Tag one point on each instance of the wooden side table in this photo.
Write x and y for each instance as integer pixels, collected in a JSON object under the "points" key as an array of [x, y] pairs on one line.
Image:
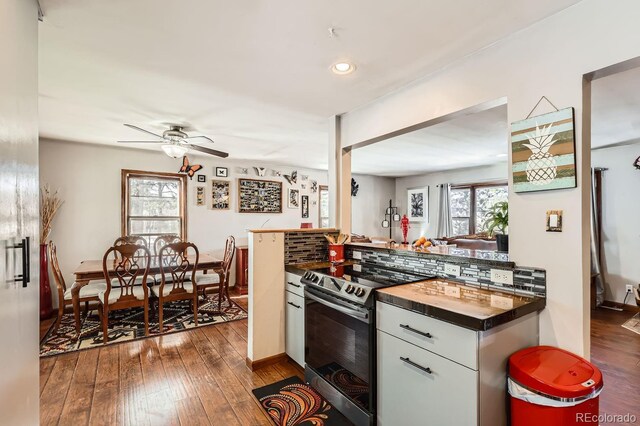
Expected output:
{"points": [[242, 271]]}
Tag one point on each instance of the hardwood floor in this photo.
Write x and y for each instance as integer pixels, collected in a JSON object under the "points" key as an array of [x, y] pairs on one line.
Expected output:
{"points": [[616, 351], [196, 377]]}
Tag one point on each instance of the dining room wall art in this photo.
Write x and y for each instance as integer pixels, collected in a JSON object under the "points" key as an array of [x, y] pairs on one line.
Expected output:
{"points": [[314, 186], [220, 194], [636, 163], [293, 198], [292, 178], [543, 152], [202, 178], [418, 204], [222, 172], [200, 195], [259, 196], [188, 168], [354, 187], [305, 206]]}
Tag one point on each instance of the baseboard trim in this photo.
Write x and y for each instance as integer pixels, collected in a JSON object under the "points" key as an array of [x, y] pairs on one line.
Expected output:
{"points": [[270, 360], [624, 307]]}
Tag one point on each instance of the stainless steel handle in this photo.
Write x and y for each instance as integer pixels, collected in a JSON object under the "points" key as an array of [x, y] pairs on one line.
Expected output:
{"points": [[340, 308], [25, 277], [294, 305], [416, 365], [422, 333], [294, 284]]}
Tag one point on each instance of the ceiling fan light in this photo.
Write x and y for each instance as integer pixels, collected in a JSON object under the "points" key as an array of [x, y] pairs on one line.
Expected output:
{"points": [[174, 150]]}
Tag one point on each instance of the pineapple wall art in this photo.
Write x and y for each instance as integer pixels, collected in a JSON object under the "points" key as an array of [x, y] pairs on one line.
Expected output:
{"points": [[543, 152]]}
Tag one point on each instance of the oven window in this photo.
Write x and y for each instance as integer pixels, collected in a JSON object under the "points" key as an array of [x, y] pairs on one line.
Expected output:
{"points": [[338, 348]]}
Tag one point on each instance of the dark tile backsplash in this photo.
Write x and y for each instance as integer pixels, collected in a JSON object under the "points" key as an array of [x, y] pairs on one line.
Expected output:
{"points": [[303, 247], [526, 281]]}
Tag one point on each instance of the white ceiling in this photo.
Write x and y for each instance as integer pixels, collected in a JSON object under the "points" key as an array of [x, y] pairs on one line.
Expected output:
{"points": [[615, 109], [472, 140], [254, 75]]}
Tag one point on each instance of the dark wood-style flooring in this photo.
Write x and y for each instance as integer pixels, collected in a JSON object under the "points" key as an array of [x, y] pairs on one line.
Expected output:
{"points": [[196, 377], [616, 351]]}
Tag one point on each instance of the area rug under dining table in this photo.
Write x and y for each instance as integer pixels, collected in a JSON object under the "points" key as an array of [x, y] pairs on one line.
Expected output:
{"points": [[128, 324]]}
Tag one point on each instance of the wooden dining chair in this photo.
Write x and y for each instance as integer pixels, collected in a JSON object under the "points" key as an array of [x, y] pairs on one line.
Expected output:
{"points": [[162, 241], [220, 277], [132, 239], [131, 265], [177, 275], [88, 293]]}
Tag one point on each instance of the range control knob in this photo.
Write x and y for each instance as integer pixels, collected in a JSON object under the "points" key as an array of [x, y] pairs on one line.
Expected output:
{"points": [[350, 289], [360, 292]]}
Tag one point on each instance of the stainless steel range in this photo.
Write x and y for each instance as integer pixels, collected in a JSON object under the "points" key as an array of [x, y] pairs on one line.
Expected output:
{"points": [[340, 334]]}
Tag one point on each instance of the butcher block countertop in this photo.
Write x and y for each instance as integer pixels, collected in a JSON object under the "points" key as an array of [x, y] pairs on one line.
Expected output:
{"points": [[466, 306]]}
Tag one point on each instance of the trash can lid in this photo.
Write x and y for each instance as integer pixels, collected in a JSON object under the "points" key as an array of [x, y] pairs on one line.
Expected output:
{"points": [[554, 371]]}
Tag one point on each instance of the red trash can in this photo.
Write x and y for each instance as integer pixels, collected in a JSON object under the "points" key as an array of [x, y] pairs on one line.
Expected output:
{"points": [[550, 386]]}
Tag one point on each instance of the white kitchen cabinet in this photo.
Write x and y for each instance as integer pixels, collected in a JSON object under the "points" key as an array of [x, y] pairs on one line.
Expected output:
{"points": [[294, 327], [444, 395], [438, 373], [292, 283]]}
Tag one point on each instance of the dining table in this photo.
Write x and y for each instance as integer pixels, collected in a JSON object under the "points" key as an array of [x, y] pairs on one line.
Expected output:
{"points": [[89, 270]]}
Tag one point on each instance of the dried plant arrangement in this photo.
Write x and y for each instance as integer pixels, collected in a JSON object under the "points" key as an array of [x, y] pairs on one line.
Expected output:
{"points": [[50, 202]]}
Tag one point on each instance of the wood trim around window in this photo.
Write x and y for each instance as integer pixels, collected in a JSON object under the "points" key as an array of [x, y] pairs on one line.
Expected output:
{"points": [[472, 198], [124, 201], [320, 189]]}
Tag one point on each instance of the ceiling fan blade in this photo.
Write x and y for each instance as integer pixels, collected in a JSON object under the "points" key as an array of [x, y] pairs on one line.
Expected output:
{"points": [[141, 141], [142, 130], [201, 136], [209, 151]]}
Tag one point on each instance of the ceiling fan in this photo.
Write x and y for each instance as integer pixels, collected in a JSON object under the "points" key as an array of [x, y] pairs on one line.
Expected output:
{"points": [[176, 143]]}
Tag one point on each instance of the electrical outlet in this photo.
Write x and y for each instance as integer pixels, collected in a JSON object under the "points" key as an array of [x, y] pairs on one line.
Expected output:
{"points": [[452, 291], [629, 288], [450, 269], [502, 276], [357, 255]]}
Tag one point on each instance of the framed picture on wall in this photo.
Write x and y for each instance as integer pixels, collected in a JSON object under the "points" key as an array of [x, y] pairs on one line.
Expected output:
{"points": [[293, 198], [418, 204], [305, 206], [222, 172], [220, 194], [259, 196]]}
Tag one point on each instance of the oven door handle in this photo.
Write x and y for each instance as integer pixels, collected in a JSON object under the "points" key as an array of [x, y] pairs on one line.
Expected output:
{"points": [[340, 308]]}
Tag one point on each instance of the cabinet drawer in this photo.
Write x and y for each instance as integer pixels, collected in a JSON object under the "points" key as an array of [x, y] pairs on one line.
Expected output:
{"points": [[292, 284], [445, 395], [294, 327], [456, 343]]}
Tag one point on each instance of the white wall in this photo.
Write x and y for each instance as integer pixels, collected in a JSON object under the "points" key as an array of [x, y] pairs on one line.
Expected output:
{"points": [[459, 176], [620, 224], [88, 177], [548, 58], [368, 207]]}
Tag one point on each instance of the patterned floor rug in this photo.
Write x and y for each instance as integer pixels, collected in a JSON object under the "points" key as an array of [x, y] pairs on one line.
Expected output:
{"points": [[633, 324], [291, 402], [128, 324]]}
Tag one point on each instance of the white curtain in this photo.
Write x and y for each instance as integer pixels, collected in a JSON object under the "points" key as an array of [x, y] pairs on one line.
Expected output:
{"points": [[444, 228]]}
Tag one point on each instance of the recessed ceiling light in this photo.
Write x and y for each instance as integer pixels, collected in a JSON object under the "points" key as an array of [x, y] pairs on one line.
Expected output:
{"points": [[343, 68]]}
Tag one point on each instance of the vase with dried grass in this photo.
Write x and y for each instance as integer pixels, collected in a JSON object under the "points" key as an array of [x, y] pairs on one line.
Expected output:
{"points": [[50, 203]]}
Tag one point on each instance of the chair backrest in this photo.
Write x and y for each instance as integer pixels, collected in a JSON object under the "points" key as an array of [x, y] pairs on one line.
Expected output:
{"points": [[162, 241], [130, 239], [57, 274], [175, 264], [131, 262], [229, 252]]}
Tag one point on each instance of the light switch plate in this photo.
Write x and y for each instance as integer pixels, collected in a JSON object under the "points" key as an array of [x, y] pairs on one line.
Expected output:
{"points": [[502, 276], [554, 221], [357, 255], [450, 269]]}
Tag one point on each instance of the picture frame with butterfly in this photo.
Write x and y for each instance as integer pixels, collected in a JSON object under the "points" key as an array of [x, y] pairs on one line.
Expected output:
{"points": [[292, 178], [188, 168]]}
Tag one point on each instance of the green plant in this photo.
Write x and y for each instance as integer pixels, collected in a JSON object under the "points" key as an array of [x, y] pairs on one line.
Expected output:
{"points": [[497, 218]]}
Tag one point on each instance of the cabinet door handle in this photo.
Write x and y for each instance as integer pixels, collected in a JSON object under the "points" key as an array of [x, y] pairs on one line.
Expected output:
{"points": [[294, 284], [416, 365], [422, 333], [294, 305]]}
